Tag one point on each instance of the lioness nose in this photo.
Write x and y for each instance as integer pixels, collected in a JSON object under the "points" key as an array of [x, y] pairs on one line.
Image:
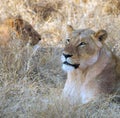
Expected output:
{"points": [[39, 38], [67, 55]]}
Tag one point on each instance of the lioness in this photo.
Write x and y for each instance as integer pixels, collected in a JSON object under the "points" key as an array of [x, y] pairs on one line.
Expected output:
{"points": [[90, 65], [22, 30]]}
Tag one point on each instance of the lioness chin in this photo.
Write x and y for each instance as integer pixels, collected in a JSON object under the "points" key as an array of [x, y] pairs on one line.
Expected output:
{"points": [[90, 66]]}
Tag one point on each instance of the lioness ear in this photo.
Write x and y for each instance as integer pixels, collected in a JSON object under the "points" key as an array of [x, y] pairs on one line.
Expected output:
{"points": [[19, 24], [69, 28], [101, 35]]}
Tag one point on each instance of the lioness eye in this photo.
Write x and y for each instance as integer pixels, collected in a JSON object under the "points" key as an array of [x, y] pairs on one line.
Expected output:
{"points": [[67, 41], [82, 44]]}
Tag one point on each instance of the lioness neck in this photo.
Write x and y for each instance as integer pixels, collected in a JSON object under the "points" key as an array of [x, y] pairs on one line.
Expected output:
{"points": [[105, 59]]}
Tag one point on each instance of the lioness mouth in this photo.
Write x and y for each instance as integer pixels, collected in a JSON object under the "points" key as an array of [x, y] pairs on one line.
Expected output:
{"points": [[74, 65]]}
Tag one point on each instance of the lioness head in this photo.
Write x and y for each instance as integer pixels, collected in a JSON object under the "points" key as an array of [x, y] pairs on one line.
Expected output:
{"points": [[21, 28], [82, 48], [26, 31]]}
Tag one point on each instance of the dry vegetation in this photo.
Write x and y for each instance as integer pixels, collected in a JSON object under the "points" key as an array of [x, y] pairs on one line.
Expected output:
{"points": [[31, 81]]}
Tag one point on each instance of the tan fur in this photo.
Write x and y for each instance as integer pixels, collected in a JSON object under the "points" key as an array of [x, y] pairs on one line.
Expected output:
{"points": [[90, 66], [21, 28]]}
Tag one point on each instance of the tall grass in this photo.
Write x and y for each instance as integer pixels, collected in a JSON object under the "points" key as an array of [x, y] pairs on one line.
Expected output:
{"points": [[35, 92]]}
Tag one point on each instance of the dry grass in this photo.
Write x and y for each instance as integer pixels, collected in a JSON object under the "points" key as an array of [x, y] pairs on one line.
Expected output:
{"points": [[112, 7], [34, 92]]}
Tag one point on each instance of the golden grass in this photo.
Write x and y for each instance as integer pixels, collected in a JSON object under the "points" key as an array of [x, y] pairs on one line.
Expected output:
{"points": [[112, 7], [35, 93]]}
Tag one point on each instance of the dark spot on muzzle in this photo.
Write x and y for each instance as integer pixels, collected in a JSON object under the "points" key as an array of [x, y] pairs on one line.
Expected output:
{"points": [[74, 65]]}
